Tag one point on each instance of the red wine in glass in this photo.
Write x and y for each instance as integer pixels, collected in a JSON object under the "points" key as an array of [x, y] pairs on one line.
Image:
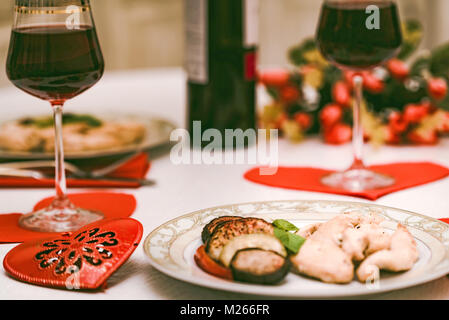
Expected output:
{"points": [[344, 39], [55, 55], [358, 35], [54, 63]]}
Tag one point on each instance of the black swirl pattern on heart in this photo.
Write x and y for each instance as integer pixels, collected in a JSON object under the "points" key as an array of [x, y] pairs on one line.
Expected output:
{"points": [[69, 253]]}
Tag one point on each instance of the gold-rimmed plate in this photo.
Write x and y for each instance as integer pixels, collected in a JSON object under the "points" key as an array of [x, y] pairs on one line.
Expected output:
{"points": [[171, 247]]}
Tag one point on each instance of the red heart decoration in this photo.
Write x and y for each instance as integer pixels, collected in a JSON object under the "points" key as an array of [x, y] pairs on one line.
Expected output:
{"points": [[113, 205], [83, 259]]}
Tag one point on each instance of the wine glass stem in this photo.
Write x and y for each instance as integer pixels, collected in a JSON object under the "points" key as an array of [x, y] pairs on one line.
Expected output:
{"points": [[357, 133], [60, 179]]}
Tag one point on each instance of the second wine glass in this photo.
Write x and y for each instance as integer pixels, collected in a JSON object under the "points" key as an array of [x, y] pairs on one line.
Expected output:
{"points": [[358, 35]]}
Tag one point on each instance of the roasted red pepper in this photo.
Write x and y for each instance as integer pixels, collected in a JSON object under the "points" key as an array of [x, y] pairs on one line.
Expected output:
{"points": [[207, 264]]}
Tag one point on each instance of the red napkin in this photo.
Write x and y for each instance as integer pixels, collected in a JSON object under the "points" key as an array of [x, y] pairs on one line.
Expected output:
{"points": [[112, 205], [135, 168], [407, 175]]}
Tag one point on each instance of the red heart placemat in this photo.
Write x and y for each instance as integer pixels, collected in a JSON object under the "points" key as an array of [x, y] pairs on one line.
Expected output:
{"points": [[83, 259], [135, 168], [407, 175], [112, 205]]}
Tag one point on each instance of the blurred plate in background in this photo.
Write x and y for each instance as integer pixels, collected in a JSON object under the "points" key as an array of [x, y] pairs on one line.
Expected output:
{"points": [[157, 134]]}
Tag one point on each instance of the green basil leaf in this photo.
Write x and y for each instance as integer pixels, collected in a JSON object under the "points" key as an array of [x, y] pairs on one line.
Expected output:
{"points": [[285, 225], [291, 241]]}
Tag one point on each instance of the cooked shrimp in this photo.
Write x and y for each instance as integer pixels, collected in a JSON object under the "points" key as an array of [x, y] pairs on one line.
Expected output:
{"points": [[364, 240], [400, 256], [321, 256], [308, 230]]}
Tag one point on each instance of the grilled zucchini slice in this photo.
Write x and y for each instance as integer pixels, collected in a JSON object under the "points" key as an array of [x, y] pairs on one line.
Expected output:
{"points": [[259, 266], [210, 227], [227, 231], [257, 241]]}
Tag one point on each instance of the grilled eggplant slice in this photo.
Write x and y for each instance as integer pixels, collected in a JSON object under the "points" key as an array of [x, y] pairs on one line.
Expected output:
{"points": [[227, 231], [259, 266], [210, 227], [257, 241]]}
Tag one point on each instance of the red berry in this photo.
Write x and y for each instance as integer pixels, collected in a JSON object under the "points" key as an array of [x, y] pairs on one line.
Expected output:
{"points": [[414, 113], [372, 83], [425, 138], [341, 94], [437, 88], [395, 116], [396, 122], [306, 69], [444, 125], [431, 108], [338, 134], [349, 78], [289, 94], [274, 78], [398, 69], [304, 120], [280, 120], [366, 136], [330, 115], [391, 136]]}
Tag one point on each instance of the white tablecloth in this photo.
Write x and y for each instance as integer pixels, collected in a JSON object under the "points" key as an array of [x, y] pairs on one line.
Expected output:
{"points": [[183, 189]]}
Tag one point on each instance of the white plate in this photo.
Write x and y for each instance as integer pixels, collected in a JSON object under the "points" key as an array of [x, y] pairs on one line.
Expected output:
{"points": [[171, 247], [157, 134]]}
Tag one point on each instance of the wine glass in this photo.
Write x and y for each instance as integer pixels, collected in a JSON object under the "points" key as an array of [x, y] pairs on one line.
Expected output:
{"points": [[358, 35], [55, 55]]}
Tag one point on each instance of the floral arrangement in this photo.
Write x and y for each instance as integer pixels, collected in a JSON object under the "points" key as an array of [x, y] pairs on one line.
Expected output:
{"points": [[405, 101]]}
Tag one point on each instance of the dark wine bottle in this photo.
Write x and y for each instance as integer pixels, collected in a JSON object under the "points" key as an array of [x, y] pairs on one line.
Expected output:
{"points": [[222, 38]]}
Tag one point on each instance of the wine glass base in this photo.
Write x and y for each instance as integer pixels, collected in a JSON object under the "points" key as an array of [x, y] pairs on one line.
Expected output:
{"points": [[357, 180], [59, 219]]}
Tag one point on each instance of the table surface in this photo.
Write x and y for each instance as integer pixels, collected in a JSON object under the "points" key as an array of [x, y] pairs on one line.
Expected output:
{"points": [[183, 189]]}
